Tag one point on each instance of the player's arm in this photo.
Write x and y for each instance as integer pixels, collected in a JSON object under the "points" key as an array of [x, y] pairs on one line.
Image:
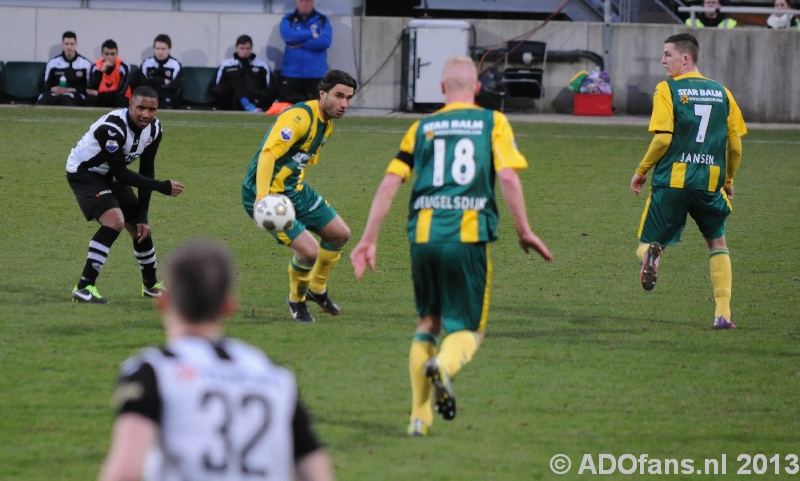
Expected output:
{"points": [[399, 170], [292, 37], [323, 40], [288, 129], [736, 130], [138, 408], [662, 123], [312, 462]]}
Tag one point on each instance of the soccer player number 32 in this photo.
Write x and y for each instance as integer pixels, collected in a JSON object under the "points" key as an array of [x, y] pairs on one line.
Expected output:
{"points": [[463, 168]]}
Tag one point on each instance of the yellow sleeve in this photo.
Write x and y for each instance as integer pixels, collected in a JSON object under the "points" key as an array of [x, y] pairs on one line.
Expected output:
{"points": [[658, 147], [289, 128], [402, 164], [662, 119], [504, 148], [736, 130]]}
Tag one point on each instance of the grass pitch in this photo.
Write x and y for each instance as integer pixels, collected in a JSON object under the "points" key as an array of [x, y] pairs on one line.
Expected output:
{"points": [[578, 359]]}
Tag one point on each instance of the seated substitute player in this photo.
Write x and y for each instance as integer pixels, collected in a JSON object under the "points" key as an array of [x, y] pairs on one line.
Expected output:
{"points": [[66, 75], [109, 83], [279, 167], [207, 406], [162, 72], [244, 81], [694, 155], [98, 174], [456, 152]]}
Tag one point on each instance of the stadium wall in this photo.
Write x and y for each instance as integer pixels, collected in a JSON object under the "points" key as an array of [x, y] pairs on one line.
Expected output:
{"points": [[758, 65]]}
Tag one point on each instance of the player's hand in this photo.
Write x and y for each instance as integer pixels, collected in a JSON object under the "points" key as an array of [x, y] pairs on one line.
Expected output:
{"points": [[177, 188], [91, 91], [529, 240], [728, 191], [363, 254], [637, 182], [142, 232], [58, 90]]}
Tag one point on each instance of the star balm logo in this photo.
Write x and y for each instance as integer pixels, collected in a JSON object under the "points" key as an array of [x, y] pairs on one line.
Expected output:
{"points": [[684, 99]]}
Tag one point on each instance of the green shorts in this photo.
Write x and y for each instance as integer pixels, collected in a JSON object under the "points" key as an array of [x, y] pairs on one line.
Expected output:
{"points": [[311, 209], [452, 280], [665, 212]]}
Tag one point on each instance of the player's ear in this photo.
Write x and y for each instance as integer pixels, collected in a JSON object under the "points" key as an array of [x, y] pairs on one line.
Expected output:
{"points": [[477, 87], [442, 85]]}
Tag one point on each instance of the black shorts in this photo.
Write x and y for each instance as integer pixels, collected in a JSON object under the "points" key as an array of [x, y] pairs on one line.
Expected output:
{"points": [[96, 195]]}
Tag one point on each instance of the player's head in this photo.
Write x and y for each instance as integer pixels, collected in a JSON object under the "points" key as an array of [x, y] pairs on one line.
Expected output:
{"points": [[143, 106], [244, 46], [199, 279], [304, 7], [782, 4], [161, 46], [69, 43], [460, 77], [681, 52], [109, 50], [335, 92]]}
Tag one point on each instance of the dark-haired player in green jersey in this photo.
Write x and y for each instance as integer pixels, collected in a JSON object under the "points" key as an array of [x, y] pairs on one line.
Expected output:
{"points": [[279, 167], [695, 152], [457, 153]]}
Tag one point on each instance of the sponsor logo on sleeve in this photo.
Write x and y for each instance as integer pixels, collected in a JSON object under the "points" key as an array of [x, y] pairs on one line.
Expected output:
{"points": [[286, 134], [112, 146]]}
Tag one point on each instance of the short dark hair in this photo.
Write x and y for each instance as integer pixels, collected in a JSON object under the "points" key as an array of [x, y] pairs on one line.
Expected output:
{"points": [[199, 277], [685, 43], [243, 39], [336, 77], [69, 34], [145, 91], [163, 38], [109, 44]]}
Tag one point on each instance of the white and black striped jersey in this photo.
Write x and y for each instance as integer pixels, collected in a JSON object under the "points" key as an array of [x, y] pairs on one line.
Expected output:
{"points": [[76, 71], [154, 72], [224, 411], [112, 143], [252, 67]]}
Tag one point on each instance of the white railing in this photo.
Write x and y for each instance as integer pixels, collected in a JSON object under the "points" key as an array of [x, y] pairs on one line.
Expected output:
{"points": [[693, 11]]}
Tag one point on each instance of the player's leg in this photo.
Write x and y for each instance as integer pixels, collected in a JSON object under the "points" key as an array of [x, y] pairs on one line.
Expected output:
{"points": [[333, 237], [96, 201], [710, 210], [423, 348], [143, 248], [662, 222], [304, 247]]}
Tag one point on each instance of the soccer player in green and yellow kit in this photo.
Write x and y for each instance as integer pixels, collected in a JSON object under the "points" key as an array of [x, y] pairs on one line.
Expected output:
{"points": [[279, 167], [694, 155], [457, 153]]}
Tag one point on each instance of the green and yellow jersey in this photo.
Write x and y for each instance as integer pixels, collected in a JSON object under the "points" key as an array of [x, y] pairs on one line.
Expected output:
{"points": [[456, 153], [290, 145], [702, 115]]}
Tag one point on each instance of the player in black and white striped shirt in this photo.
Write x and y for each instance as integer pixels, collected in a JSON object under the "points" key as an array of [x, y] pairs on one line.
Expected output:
{"points": [[66, 76], [163, 73], [205, 406], [98, 174]]}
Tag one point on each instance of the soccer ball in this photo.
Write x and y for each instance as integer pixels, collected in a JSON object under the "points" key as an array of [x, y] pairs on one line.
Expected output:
{"points": [[274, 213]]}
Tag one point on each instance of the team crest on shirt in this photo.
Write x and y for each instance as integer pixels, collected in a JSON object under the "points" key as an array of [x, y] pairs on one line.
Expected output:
{"points": [[255, 69], [79, 73], [148, 141], [112, 146], [286, 134], [168, 74], [684, 99]]}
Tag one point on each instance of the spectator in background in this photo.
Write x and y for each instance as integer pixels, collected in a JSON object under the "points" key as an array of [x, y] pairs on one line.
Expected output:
{"points": [[712, 19], [66, 76], [109, 82], [244, 81], [785, 20], [163, 73], [307, 34]]}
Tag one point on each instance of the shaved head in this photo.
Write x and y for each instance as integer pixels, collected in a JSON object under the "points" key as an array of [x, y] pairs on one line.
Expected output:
{"points": [[459, 75]]}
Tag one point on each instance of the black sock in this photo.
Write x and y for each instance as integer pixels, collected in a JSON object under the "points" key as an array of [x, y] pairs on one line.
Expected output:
{"points": [[98, 253], [146, 255]]}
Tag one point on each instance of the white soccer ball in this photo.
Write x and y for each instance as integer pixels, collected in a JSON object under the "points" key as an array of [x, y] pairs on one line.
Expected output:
{"points": [[274, 213]]}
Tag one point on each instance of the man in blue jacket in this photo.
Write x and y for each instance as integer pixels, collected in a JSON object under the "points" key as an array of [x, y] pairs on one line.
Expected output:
{"points": [[307, 34]]}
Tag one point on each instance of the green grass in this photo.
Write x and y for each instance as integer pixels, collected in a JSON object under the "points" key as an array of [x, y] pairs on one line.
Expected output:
{"points": [[577, 359]]}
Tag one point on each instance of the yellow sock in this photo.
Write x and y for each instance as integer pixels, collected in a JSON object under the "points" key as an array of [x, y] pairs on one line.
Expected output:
{"points": [[640, 251], [721, 280], [423, 347], [457, 350], [299, 276], [327, 257]]}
